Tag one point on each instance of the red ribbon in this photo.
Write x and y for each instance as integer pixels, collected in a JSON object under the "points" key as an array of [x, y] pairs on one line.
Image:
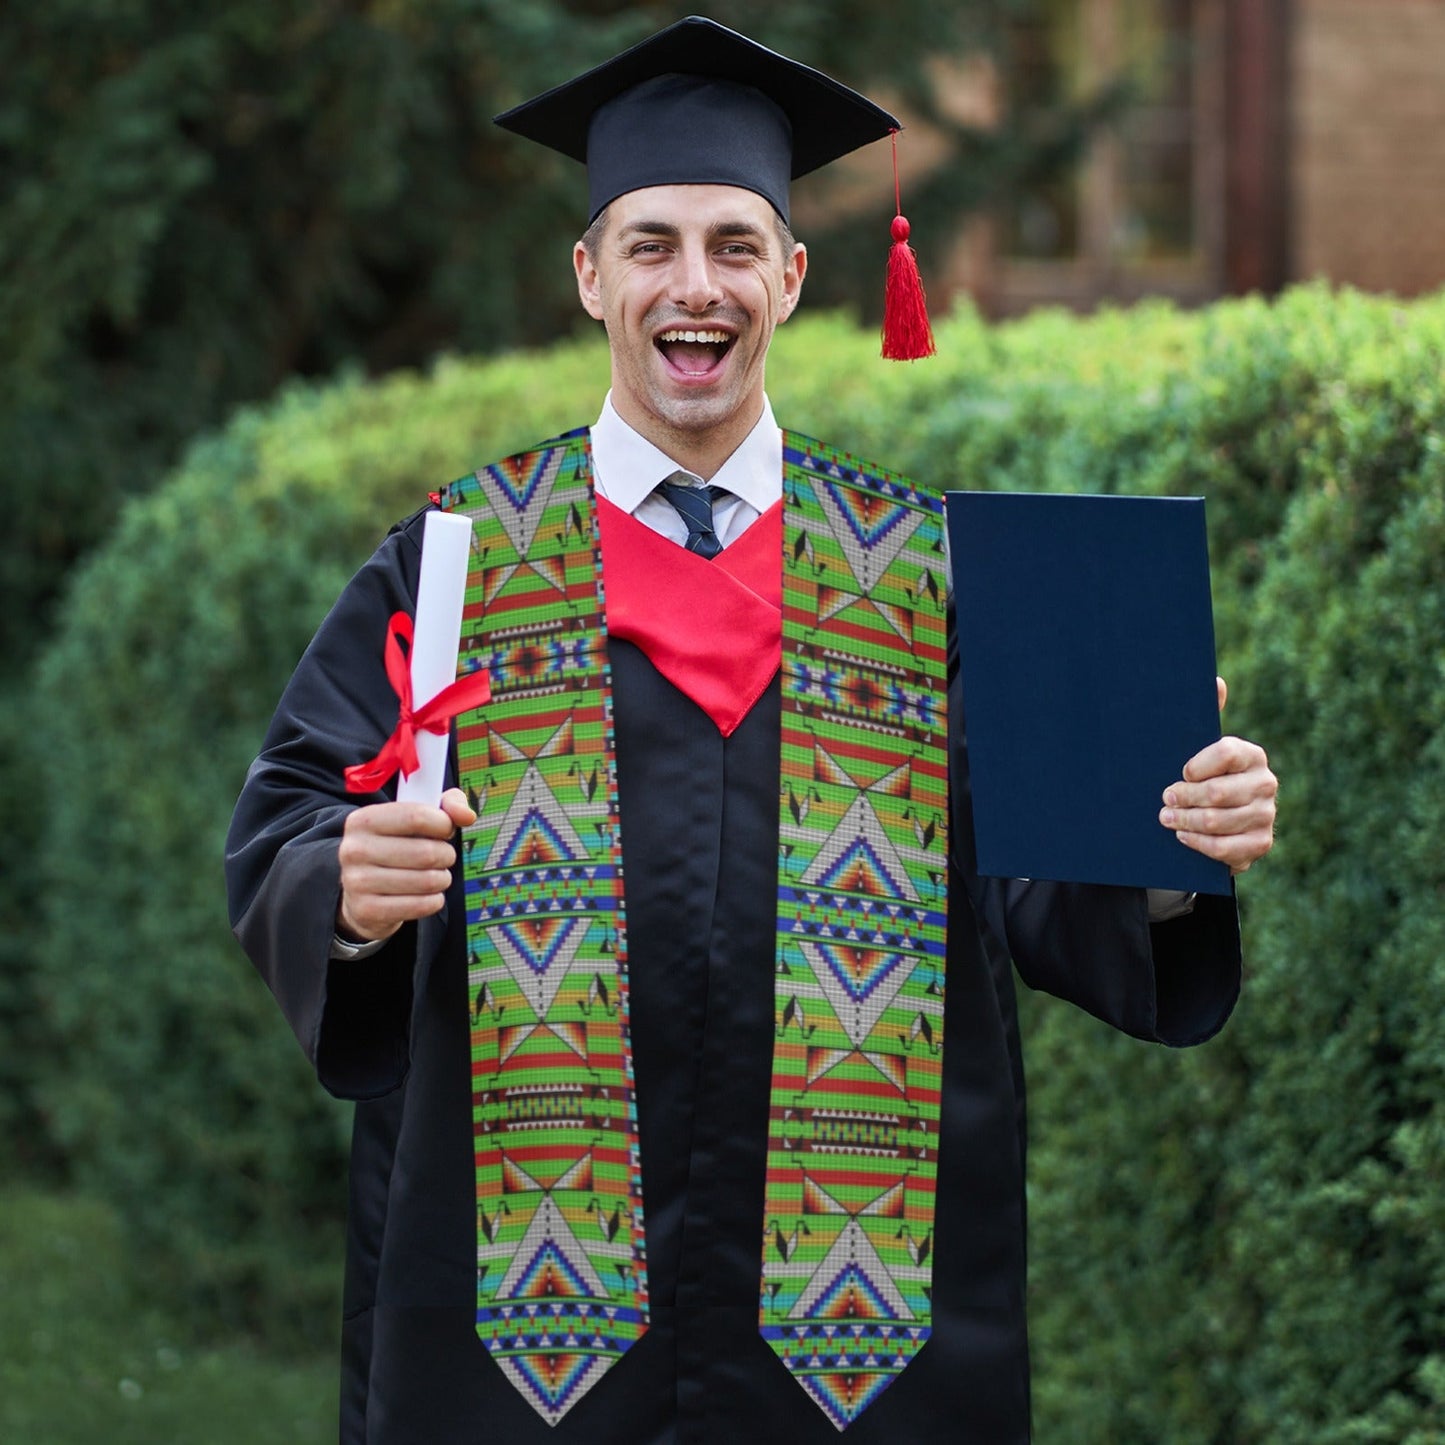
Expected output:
{"points": [[398, 754]]}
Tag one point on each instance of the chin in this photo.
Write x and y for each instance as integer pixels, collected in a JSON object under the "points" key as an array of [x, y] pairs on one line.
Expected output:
{"points": [[698, 416]]}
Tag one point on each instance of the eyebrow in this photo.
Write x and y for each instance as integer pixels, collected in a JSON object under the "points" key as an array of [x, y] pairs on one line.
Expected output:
{"points": [[666, 230]]}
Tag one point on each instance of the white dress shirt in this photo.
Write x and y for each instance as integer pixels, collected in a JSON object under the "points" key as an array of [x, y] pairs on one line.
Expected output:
{"points": [[626, 469]]}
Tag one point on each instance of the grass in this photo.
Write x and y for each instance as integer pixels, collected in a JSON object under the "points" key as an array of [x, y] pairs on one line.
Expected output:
{"points": [[82, 1359]]}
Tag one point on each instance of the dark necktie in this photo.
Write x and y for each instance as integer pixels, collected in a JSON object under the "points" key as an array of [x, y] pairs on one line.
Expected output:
{"points": [[694, 506]]}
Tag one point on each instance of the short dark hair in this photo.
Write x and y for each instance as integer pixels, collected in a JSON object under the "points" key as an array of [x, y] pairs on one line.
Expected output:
{"points": [[592, 236]]}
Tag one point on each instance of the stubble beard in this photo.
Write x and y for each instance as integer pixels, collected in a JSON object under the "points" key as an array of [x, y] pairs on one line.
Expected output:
{"points": [[692, 415]]}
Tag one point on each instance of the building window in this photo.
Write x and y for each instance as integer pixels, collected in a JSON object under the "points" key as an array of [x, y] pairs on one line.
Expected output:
{"points": [[1143, 210]]}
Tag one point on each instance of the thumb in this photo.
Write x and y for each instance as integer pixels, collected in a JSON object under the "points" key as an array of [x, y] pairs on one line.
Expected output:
{"points": [[454, 804]]}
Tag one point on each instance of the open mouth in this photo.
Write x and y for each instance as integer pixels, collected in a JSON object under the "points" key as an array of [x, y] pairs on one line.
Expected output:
{"points": [[694, 353]]}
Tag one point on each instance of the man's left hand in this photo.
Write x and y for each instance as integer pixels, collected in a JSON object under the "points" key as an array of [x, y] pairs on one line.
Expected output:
{"points": [[1224, 805]]}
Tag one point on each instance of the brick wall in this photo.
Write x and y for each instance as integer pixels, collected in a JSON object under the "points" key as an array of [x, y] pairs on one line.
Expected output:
{"points": [[1367, 143]]}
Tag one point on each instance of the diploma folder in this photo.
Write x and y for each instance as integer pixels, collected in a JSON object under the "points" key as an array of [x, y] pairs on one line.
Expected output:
{"points": [[1086, 656]]}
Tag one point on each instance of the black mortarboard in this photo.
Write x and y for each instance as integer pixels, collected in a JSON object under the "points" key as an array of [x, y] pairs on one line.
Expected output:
{"points": [[700, 104]]}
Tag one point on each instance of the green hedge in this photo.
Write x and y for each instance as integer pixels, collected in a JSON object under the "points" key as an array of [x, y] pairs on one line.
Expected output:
{"points": [[1244, 1244], [1238, 1244]]}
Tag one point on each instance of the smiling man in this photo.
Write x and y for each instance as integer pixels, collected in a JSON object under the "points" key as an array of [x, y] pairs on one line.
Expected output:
{"points": [[689, 1097], [690, 282]]}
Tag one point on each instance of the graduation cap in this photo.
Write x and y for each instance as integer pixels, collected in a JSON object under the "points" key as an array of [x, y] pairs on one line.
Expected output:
{"points": [[699, 104]]}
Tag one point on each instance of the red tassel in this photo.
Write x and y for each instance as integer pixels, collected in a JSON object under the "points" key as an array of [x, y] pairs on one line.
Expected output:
{"points": [[907, 336]]}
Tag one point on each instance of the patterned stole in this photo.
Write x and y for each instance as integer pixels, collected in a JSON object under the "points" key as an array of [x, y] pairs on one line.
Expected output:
{"points": [[847, 1230]]}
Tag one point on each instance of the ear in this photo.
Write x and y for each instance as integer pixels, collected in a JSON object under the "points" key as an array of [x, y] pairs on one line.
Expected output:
{"points": [[589, 285], [794, 270]]}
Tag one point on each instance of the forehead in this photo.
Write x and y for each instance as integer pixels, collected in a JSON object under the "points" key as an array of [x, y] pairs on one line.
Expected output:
{"points": [[704, 207]]}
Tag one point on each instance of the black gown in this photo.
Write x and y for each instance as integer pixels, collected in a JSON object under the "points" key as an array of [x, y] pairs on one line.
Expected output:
{"points": [[699, 819]]}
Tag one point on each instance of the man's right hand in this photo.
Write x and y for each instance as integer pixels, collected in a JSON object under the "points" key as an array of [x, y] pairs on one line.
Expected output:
{"points": [[396, 862]]}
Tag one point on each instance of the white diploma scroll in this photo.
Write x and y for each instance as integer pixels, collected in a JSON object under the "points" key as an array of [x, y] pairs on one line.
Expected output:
{"points": [[445, 547]]}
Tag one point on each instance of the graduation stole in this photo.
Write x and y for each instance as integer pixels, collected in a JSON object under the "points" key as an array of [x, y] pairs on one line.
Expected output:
{"points": [[846, 1234]]}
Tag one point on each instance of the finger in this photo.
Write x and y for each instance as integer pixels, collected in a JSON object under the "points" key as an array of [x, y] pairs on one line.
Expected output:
{"points": [[386, 850], [376, 899], [376, 916], [1238, 850], [377, 879], [400, 820], [1228, 790], [1253, 813], [1228, 755], [1250, 816], [1222, 688], [458, 809]]}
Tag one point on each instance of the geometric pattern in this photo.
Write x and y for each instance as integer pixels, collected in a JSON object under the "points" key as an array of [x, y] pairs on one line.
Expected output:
{"points": [[561, 1254], [561, 1262], [853, 1123]]}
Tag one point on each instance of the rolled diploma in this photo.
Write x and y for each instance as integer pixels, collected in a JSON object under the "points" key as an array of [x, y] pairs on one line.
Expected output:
{"points": [[440, 595]]}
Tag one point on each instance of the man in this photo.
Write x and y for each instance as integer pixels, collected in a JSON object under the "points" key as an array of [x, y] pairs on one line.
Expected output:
{"points": [[664, 1132]]}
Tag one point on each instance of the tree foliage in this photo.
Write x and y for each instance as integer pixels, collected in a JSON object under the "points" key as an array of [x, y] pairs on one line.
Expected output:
{"points": [[197, 202]]}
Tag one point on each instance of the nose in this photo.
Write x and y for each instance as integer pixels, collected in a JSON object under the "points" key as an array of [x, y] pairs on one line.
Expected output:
{"points": [[696, 286]]}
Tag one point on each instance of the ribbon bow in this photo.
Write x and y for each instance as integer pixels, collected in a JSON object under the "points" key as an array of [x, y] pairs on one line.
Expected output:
{"points": [[398, 753]]}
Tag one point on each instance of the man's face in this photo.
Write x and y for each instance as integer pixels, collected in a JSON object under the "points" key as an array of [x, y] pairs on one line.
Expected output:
{"points": [[690, 282]]}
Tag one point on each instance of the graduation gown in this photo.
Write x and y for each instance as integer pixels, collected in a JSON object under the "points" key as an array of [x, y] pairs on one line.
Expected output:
{"points": [[699, 820]]}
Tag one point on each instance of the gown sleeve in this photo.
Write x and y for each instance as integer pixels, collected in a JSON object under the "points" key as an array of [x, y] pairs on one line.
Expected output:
{"points": [[283, 874], [1093, 945]]}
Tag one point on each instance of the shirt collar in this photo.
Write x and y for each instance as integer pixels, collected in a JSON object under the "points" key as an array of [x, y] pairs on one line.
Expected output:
{"points": [[627, 467]]}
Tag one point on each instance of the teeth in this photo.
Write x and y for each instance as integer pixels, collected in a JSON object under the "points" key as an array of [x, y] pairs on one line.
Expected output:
{"points": [[719, 338]]}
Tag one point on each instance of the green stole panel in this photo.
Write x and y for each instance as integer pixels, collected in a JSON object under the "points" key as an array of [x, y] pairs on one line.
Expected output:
{"points": [[847, 1231]]}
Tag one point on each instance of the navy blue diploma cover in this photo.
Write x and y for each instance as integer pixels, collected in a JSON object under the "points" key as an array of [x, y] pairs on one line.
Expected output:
{"points": [[1086, 655]]}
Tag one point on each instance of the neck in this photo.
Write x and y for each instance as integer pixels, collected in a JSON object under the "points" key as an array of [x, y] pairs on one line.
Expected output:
{"points": [[701, 451]]}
